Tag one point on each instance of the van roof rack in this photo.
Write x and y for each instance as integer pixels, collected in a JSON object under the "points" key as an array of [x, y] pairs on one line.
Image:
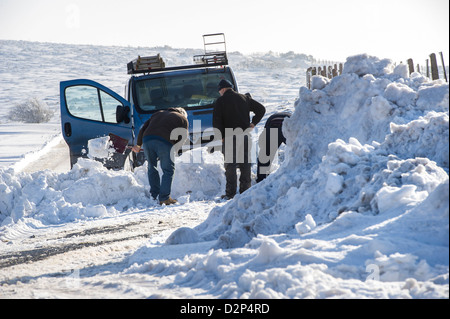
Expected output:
{"points": [[215, 49], [215, 55]]}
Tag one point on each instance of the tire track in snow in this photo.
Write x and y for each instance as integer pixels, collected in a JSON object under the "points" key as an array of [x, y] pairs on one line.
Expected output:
{"points": [[90, 237]]}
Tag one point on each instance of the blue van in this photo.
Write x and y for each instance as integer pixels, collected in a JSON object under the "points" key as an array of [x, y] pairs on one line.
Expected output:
{"points": [[90, 110]]}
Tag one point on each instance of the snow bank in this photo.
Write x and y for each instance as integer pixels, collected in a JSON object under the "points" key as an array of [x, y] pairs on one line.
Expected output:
{"points": [[367, 143], [90, 190], [361, 199], [199, 175]]}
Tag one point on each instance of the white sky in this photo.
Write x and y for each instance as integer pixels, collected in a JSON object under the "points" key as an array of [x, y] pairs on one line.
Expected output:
{"points": [[326, 29]]}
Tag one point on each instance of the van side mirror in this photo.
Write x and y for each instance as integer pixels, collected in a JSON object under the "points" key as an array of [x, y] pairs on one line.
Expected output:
{"points": [[122, 114]]}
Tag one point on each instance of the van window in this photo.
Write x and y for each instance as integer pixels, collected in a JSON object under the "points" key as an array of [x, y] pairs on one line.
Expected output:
{"points": [[83, 102], [187, 90], [88, 102]]}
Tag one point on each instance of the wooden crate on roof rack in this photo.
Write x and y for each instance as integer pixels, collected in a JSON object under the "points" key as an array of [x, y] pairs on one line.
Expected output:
{"points": [[146, 64]]}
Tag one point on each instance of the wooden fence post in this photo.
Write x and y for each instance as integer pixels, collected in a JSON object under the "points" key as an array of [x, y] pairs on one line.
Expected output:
{"points": [[308, 78], [325, 71], [434, 68], [410, 66], [443, 66], [335, 71]]}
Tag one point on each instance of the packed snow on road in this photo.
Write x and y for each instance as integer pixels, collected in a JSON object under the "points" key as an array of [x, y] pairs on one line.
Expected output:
{"points": [[356, 206]]}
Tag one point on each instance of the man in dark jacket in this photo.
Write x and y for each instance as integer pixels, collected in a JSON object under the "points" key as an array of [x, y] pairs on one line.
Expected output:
{"points": [[157, 139], [231, 117]]}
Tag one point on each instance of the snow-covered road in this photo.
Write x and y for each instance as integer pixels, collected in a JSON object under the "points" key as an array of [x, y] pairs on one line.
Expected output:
{"points": [[37, 261]]}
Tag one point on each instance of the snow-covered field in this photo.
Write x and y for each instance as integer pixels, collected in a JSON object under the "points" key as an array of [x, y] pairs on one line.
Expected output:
{"points": [[357, 205]]}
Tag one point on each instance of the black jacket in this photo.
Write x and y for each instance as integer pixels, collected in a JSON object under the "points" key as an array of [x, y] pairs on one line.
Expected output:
{"points": [[276, 121], [232, 110], [161, 124]]}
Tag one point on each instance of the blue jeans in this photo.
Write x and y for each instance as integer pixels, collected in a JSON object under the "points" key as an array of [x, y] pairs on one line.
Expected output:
{"points": [[154, 150]]}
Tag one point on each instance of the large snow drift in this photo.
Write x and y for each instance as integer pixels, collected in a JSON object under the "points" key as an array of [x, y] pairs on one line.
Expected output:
{"points": [[362, 144], [363, 190]]}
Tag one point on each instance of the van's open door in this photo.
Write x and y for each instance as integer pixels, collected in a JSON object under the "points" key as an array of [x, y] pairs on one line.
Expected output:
{"points": [[90, 110]]}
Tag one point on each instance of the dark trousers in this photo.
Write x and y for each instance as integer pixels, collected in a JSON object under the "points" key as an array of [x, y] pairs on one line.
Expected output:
{"points": [[236, 150], [268, 146]]}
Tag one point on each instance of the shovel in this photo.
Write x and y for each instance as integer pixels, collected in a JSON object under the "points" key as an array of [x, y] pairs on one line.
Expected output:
{"points": [[119, 143]]}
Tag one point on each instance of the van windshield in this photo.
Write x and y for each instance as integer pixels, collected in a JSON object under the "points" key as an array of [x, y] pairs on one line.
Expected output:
{"points": [[192, 90]]}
